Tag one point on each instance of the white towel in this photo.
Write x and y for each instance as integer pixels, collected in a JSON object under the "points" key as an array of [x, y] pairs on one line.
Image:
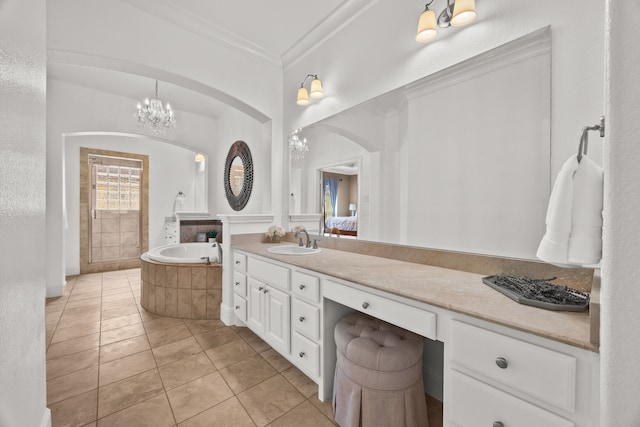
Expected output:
{"points": [[574, 216]]}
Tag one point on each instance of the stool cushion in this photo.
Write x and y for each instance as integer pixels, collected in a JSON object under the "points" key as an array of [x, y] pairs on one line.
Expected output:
{"points": [[378, 377]]}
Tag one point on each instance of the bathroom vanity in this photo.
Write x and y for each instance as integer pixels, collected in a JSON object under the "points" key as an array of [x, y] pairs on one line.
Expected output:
{"points": [[505, 364]]}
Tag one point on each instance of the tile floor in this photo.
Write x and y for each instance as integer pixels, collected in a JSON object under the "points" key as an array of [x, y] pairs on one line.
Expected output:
{"points": [[111, 363]]}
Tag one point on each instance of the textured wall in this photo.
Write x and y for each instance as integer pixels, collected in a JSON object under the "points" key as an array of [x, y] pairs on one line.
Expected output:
{"points": [[620, 293], [22, 213]]}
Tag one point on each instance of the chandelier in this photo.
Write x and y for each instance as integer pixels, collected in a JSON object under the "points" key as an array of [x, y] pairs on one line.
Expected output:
{"points": [[154, 116], [297, 146]]}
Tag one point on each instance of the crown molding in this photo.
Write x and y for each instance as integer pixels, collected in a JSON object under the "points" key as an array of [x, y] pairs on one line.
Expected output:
{"points": [[325, 29], [182, 17]]}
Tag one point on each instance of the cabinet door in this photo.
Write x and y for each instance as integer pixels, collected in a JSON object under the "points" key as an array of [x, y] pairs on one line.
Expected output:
{"points": [[278, 324], [255, 313]]}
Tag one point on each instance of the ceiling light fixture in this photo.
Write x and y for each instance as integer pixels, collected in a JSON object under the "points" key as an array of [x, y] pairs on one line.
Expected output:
{"points": [[154, 116], [298, 147], [457, 13], [316, 90]]}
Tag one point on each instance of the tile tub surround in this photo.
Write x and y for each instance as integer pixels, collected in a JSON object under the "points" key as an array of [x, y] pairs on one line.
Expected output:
{"points": [[454, 290], [200, 373], [186, 291]]}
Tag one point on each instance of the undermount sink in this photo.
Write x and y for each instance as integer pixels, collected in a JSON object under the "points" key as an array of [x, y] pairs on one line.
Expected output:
{"points": [[292, 250]]}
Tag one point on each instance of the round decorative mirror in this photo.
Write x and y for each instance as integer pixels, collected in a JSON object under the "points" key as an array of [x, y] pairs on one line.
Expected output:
{"points": [[238, 175]]}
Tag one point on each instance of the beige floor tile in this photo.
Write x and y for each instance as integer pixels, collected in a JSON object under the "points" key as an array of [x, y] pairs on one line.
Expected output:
{"points": [[176, 350], [198, 327], [114, 335], [243, 332], [146, 315], [300, 381], [75, 411], [78, 330], [229, 413], [74, 362], [119, 322], [85, 294], [118, 297], [125, 393], [69, 321], [198, 395], [126, 367], [123, 348], [167, 336], [230, 353], [276, 360], [257, 344], [52, 316], [154, 412], [247, 373], [327, 407], [184, 370], [119, 311], [93, 424], [83, 302], [303, 415], [116, 288], [118, 304], [66, 386], [81, 310], [154, 325], [73, 346], [216, 338], [270, 399]]}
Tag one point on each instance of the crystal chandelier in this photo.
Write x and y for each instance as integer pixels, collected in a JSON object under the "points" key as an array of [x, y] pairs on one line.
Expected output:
{"points": [[154, 116], [297, 146]]}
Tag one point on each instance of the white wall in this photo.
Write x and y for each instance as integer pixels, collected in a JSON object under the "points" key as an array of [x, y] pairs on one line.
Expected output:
{"points": [[22, 214], [72, 108], [357, 63], [620, 317], [171, 169], [85, 33]]}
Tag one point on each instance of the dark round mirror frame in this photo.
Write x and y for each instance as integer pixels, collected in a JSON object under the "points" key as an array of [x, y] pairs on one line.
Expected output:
{"points": [[239, 149]]}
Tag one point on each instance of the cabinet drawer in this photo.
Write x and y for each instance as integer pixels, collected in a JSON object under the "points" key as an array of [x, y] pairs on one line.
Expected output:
{"points": [[539, 372], [240, 308], [272, 274], [306, 287], [240, 284], [239, 261], [306, 319], [473, 403], [414, 319], [306, 353]]}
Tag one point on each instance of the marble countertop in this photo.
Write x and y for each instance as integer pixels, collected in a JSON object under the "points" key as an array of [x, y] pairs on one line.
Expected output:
{"points": [[454, 290]]}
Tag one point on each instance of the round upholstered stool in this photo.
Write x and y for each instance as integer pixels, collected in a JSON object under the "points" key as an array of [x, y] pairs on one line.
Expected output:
{"points": [[378, 378]]}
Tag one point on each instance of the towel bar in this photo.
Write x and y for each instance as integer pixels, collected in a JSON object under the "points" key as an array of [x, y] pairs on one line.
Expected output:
{"points": [[584, 139]]}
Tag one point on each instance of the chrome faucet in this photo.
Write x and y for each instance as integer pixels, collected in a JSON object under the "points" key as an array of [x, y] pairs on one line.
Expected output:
{"points": [[302, 230]]}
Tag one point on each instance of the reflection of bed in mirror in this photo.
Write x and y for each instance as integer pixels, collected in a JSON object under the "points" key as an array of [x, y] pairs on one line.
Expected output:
{"points": [[345, 225]]}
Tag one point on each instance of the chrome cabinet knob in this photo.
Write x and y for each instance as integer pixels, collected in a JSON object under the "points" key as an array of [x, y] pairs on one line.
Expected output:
{"points": [[365, 305], [237, 283], [498, 424], [265, 291], [301, 354], [261, 288], [237, 307], [302, 287], [502, 364], [237, 262], [301, 318]]}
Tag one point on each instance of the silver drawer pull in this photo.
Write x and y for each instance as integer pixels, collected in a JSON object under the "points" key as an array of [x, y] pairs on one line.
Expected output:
{"points": [[237, 283], [301, 354], [237, 262], [498, 424], [302, 287], [237, 307], [265, 290], [365, 305], [502, 364], [261, 288], [301, 318]]}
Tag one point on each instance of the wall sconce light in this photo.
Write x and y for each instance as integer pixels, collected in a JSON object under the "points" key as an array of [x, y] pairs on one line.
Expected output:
{"points": [[316, 90], [457, 13]]}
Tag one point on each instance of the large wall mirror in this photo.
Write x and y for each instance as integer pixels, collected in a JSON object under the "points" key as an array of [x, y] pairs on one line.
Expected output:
{"points": [[459, 160], [238, 175]]}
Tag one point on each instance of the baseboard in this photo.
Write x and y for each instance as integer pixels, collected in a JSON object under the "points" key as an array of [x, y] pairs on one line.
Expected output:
{"points": [[46, 418], [227, 315], [56, 291]]}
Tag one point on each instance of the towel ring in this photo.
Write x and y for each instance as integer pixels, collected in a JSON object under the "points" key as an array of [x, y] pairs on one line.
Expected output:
{"points": [[584, 139]]}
